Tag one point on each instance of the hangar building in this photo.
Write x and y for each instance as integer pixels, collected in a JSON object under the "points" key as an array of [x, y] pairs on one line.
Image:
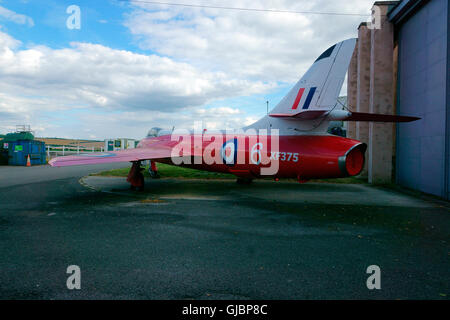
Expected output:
{"points": [[401, 66]]}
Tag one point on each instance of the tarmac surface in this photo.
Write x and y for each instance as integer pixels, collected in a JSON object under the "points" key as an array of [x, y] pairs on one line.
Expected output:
{"points": [[199, 239]]}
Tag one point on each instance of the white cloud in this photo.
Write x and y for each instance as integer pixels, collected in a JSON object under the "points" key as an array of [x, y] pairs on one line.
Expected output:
{"points": [[91, 76], [253, 45], [15, 17], [197, 56], [218, 111], [98, 76]]}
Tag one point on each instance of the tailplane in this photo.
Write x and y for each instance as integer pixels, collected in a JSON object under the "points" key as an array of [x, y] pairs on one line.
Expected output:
{"points": [[343, 115]]}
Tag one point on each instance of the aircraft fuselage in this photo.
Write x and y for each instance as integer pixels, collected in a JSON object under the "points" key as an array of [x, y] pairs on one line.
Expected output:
{"points": [[301, 157]]}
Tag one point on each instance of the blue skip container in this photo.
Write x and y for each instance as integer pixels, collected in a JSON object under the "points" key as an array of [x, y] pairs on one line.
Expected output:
{"points": [[19, 150]]}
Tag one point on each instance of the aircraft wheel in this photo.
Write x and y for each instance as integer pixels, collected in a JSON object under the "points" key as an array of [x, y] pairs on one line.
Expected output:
{"points": [[153, 174]]}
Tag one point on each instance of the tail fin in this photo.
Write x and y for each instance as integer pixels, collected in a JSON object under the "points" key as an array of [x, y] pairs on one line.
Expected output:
{"points": [[319, 88]]}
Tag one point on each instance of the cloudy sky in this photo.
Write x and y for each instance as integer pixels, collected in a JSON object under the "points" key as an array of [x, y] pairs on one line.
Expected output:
{"points": [[134, 65]]}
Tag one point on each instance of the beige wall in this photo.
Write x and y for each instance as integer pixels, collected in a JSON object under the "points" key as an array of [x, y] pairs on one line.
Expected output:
{"points": [[351, 91], [371, 86], [381, 101], [363, 85]]}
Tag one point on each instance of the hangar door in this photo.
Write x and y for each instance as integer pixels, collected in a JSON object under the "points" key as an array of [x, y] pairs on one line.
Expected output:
{"points": [[422, 81]]}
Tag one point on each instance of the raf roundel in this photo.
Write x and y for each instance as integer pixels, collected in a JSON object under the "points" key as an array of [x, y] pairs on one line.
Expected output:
{"points": [[229, 152]]}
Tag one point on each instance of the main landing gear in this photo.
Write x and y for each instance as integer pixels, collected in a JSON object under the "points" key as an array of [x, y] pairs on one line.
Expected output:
{"points": [[135, 176], [152, 170]]}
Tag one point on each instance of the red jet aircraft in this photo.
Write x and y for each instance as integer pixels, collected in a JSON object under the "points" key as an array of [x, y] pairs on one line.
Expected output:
{"points": [[290, 142]]}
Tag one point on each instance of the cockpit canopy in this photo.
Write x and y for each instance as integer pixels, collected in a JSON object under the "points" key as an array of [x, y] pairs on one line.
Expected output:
{"points": [[157, 132], [153, 132]]}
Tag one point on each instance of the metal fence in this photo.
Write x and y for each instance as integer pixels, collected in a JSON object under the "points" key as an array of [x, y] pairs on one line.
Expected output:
{"points": [[57, 151]]}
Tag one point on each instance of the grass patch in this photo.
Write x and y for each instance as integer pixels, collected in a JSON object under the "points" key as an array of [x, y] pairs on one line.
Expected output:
{"points": [[168, 171]]}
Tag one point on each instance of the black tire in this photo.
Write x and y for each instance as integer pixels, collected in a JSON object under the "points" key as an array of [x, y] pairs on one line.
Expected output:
{"points": [[154, 174]]}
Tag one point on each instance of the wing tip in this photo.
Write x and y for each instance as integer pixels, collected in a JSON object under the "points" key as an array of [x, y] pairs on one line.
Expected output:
{"points": [[52, 162]]}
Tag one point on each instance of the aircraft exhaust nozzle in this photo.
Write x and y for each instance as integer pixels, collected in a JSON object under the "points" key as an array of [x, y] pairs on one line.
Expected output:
{"points": [[352, 163]]}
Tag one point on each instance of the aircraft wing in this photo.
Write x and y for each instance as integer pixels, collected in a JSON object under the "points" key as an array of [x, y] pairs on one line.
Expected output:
{"points": [[156, 150]]}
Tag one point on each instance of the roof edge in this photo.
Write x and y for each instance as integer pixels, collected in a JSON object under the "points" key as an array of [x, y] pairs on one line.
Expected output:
{"points": [[404, 9]]}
